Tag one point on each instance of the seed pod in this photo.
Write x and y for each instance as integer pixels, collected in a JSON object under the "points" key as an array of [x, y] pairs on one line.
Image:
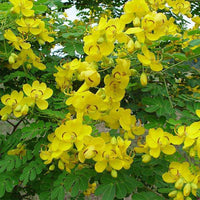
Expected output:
{"points": [[143, 79]]}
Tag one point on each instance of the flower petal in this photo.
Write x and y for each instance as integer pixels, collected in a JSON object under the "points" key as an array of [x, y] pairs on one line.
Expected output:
{"points": [[42, 104], [100, 166]]}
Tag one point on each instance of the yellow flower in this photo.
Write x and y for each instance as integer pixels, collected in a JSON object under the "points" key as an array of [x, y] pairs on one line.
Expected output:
{"points": [[157, 4], [128, 123], [73, 131], [134, 9], [29, 25], [27, 55], [154, 25], [43, 36], [179, 6], [22, 6], [17, 42], [198, 113], [148, 59], [158, 141], [19, 151], [92, 147], [38, 94], [11, 102], [184, 178], [114, 89], [87, 103], [113, 156]]}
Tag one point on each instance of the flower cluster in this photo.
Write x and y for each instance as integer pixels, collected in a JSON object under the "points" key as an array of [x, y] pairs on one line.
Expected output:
{"points": [[17, 103], [157, 141], [30, 29], [186, 180]]}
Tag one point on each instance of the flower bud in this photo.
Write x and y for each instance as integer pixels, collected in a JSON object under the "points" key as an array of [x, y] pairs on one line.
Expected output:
{"points": [[146, 158], [179, 196], [136, 21], [52, 167], [187, 189], [133, 72], [11, 60], [179, 183], [143, 79], [41, 42], [113, 140], [24, 110], [19, 145], [192, 152], [114, 173], [18, 108], [194, 186], [137, 45], [28, 66], [173, 193], [61, 165], [100, 40], [4, 117], [130, 46]]}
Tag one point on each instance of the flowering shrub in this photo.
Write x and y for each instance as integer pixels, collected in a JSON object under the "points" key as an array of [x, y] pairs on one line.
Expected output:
{"points": [[108, 109]]}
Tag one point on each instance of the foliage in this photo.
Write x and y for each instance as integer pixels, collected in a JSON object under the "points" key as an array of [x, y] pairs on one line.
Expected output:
{"points": [[105, 106]]}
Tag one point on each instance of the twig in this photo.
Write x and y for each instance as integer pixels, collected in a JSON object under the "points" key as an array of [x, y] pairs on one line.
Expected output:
{"points": [[11, 123], [15, 126]]}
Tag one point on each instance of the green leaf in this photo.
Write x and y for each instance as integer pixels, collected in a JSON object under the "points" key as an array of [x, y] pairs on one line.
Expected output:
{"points": [[70, 179], [75, 189], [194, 32], [39, 9], [164, 190], [35, 129], [194, 42], [138, 197], [2, 189], [17, 74], [147, 196], [108, 191], [55, 192], [109, 194], [61, 194], [152, 108], [83, 183], [180, 56], [121, 190], [32, 175], [198, 192], [9, 185], [10, 164], [169, 37]]}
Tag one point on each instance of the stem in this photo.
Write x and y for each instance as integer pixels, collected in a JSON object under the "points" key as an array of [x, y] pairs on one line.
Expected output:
{"points": [[15, 126], [180, 62], [10, 123], [168, 93]]}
